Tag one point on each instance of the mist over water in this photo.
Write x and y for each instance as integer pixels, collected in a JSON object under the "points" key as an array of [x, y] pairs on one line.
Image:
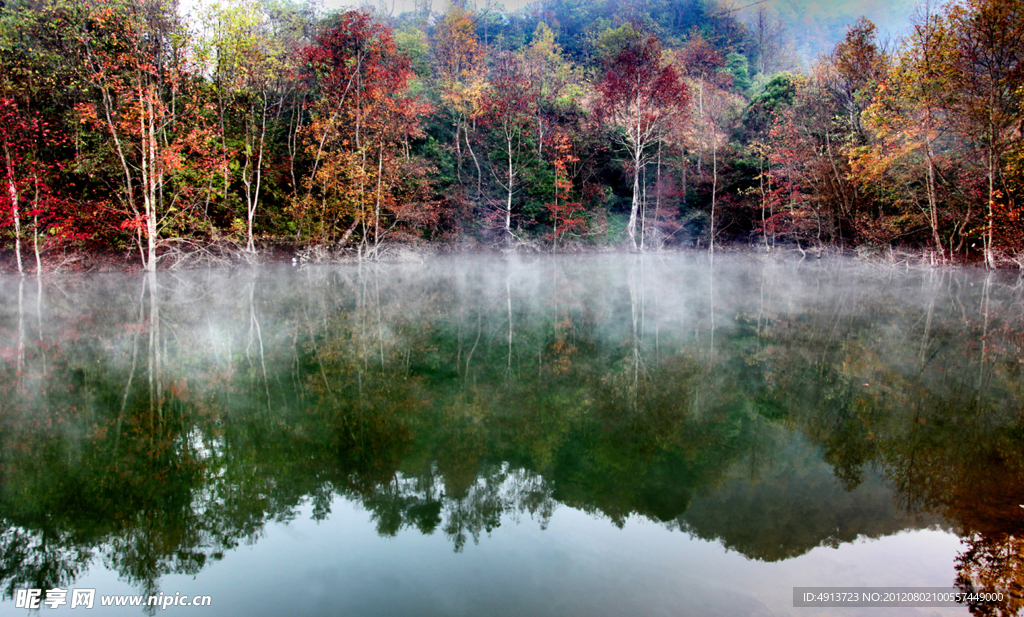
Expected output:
{"points": [[594, 434]]}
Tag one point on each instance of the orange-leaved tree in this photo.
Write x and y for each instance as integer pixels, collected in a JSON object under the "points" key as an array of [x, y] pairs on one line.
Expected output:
{"points": [[150, 114], [364, 179], [987, 73], [567, 215], [459, 61], [906, 116]]}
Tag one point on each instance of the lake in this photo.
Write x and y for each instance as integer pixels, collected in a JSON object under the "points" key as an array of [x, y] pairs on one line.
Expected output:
{"points": [[589, 435]]}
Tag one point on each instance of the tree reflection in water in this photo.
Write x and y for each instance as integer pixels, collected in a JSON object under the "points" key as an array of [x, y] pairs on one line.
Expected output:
{"points": [[155, 423]]}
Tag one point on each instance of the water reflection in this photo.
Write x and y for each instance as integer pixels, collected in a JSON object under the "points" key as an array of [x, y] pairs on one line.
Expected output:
{"points": [[154, 423]]}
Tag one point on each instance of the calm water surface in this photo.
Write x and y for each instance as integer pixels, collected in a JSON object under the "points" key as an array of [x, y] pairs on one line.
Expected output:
{"points": [[596, 435]]}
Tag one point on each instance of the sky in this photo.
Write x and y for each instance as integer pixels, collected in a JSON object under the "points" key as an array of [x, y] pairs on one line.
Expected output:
{"points": [[833, 16]]}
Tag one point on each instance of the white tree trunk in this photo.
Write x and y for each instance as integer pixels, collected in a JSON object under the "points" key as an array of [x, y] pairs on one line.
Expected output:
{"points": [[508, 205], [12, 191]]}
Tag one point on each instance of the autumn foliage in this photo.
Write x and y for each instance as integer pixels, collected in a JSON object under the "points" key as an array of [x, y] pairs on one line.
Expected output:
{"points": [[363, 183], [132, 126], [28, 200], [642, 96]]}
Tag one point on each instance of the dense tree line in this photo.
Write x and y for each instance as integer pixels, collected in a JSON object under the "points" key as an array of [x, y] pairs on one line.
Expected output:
{"points": [[257, 123]]}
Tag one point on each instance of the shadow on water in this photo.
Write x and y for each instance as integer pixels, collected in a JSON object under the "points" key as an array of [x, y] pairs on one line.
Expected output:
{"points": [[157, 422]]}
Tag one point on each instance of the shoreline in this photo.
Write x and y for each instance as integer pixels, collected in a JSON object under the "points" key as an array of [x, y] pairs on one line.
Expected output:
{"points": [[85, 261]]}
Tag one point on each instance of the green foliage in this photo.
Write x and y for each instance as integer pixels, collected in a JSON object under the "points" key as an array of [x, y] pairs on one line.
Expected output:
{"points": [[777, 95], [413, 43], [736, 66], [611, 42]]}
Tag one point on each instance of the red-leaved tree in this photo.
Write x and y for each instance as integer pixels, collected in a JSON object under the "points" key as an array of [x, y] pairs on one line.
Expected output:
{"points": [[26, 176], [364, 178], [642, 97]]}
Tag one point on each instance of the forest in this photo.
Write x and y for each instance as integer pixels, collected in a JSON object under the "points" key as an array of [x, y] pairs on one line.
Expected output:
{"points": [[174, 135]]}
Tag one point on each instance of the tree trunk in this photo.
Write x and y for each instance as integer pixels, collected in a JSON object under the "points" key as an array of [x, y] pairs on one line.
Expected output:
{"points": [[989, 257], [35, 245], [714, 190], [933, 216], [12, 191], [376, 207], [150, 176], [643, 209], [657, 196], [476, 162], [631, 228], [253, 195], [508, 206]]}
